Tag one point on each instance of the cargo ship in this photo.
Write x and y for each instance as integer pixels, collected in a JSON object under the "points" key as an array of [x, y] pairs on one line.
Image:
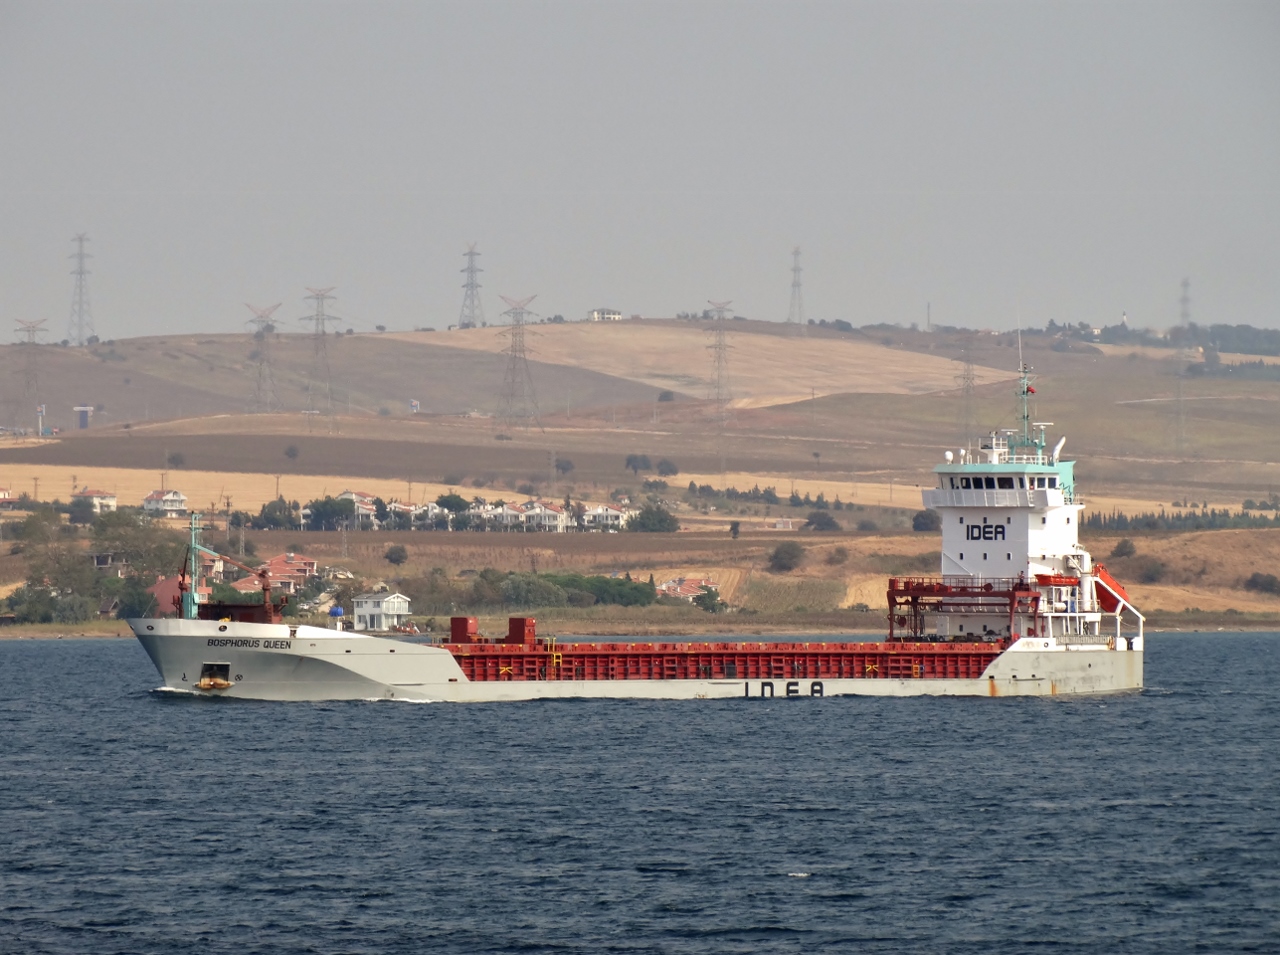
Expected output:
{"points": [[1018, 608]]}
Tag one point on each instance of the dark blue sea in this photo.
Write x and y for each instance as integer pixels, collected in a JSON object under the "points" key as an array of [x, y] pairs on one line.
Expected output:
{"points": [[137, 822]]}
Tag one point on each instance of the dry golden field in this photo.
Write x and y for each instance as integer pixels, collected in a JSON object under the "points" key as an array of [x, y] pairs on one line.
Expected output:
{"points": [[766, 369]]}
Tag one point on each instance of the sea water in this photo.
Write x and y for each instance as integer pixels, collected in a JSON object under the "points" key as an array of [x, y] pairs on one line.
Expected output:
{"points": [[133, 821]]}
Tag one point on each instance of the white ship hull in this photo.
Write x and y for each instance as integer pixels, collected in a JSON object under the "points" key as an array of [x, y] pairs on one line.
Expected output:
{"points": [[280, 662]]}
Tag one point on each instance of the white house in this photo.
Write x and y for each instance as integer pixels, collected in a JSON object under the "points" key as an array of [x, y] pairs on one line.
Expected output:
{"points": [[498, 516], [362, 502], [165, 504], [605, 315], [100, 500], [543, 516], [607, 517], [416, 513], [381, 611], [687, 588]]}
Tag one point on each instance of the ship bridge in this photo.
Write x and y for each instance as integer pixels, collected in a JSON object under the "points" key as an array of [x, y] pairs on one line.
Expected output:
{"points": [[1012, 563]]}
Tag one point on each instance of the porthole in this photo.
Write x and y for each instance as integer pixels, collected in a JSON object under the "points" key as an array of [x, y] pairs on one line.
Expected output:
{"points": [[222, 629], [149, 627]]}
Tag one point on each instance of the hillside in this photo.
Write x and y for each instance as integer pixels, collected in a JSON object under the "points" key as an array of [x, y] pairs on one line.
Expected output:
{"points": [[765, 367], [1135, 439]]}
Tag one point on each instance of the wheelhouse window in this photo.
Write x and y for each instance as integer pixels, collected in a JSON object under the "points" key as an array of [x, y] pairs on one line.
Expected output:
{"points": [[1005, 483]]}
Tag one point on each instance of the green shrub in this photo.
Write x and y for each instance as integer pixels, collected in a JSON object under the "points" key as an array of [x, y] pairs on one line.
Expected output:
{"points": [[822, 521], [785, 557], [926, 521], [1266, 583], [1124, 548], [654, 518]]}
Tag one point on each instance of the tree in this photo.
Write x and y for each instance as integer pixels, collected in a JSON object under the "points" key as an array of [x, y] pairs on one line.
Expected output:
{"points": [[654, 518], [81, 511], [666, 396], [636, 463], [735, 527], [785, 557], [453, 502], [176, 460], [1124, 548], [926, 521], [134, 601], [37, 527], [64, 569], [838, 555], [275, 515], [564, 465], [149, 547], [530, 590], [380, 509], [667, 468], [1265, 583], [709, 600], [291, 452], [329, 513], [396, 554], [822, 521], [73, 608]]}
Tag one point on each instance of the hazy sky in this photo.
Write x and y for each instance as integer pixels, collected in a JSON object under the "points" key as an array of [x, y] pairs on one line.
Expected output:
{"points": [[1003, 161]]}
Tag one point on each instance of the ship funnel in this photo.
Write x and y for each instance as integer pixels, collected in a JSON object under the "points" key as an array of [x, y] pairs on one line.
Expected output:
{"points": [[1057, 448]]}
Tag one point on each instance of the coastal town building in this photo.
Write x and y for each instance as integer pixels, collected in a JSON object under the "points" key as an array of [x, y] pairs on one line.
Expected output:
{"points": [[101, 501], [607, 517], [380, 611], [169, 503], [687, 588]]}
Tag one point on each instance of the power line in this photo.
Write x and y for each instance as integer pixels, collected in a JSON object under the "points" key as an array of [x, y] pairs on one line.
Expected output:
{"points": [[80, 327], [472, 315], [795, 317], [719, 348], [967, 380], [31, 355], [519, 404], [320, 377], [265, 397]]}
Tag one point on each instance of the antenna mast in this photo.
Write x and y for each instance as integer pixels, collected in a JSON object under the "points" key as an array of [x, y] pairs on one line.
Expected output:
{"points": [[472, 315], [265, 397], [519, 404], [80, 327]]}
